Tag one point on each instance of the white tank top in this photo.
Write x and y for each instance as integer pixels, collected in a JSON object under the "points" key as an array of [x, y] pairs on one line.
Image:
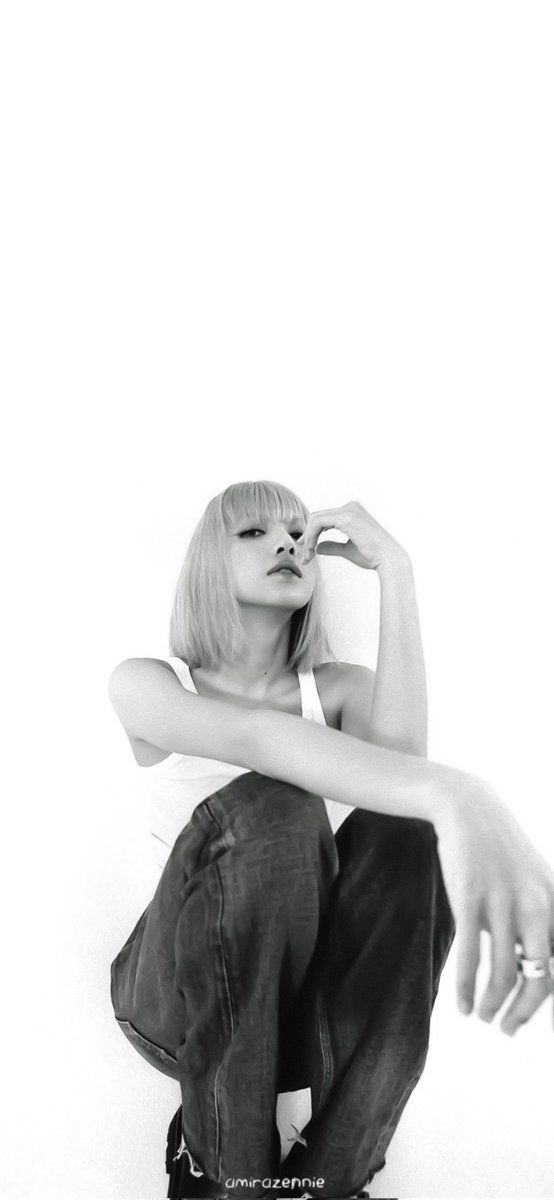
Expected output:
{"points": [[179, 782]]}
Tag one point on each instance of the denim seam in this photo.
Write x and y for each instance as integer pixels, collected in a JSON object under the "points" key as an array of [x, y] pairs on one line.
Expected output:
{"points": [[326, 1053], [228, 993], [231, 1016]]}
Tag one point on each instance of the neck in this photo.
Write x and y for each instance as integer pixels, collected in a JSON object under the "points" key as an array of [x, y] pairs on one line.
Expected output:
{"points": [[263, 661]]}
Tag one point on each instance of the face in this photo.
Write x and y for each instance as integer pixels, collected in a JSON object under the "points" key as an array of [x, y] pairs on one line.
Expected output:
{"points": [[258, 546]]}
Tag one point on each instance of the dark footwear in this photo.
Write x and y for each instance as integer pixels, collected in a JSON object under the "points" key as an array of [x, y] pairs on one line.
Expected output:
{"points": [[186, 1180]]}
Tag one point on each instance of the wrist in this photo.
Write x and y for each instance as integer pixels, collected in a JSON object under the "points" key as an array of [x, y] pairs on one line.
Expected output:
{"points": [[457, 795], [394, 563]]}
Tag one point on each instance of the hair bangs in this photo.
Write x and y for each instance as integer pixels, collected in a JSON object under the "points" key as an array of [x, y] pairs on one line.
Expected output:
{"points": [[261, 500]]}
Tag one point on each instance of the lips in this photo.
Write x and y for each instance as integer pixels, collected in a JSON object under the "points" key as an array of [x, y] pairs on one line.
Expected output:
{"points": [[290, 566]]}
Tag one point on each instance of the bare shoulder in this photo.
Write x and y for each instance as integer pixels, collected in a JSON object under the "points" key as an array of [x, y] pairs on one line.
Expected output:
{"points": [[343, 686], [129, 681], [338, 678], [131, 669], [131, 676]]}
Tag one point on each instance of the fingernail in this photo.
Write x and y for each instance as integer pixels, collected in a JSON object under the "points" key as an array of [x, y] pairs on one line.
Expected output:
{"points": [[465, 1007]]}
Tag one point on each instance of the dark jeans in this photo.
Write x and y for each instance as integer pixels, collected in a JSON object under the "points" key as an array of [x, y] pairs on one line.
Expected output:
{"points": [[274, 956]]}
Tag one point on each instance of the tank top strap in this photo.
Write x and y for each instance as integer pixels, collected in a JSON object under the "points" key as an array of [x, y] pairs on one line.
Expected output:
{"points": [[309, 695], [311, 703], [182, 671]]}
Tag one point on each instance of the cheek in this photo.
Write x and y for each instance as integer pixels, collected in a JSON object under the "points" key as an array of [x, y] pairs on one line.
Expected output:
{"points": [[245, 571]]}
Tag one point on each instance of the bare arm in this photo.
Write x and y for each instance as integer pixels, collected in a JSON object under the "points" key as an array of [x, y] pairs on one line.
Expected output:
{"points": [[152, 704], [388, 706], [494, 877], [398, 716]]}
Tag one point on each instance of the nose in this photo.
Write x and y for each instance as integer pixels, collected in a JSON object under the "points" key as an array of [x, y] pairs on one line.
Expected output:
{"points": [[288, 543]]}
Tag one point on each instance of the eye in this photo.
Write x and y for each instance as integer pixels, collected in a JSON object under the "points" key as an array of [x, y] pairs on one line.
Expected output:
{"points": [[247, 531], [297, 533]]}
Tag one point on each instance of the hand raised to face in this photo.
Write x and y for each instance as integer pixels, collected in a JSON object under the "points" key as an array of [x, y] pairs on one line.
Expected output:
{"points": [[369, 545]]}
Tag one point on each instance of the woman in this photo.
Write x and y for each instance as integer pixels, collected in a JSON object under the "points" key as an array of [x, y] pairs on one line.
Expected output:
{"points": [[311, 877]]}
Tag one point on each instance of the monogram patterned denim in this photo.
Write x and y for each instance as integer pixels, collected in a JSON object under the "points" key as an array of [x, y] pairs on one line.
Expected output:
{"points": [[275, 956]]}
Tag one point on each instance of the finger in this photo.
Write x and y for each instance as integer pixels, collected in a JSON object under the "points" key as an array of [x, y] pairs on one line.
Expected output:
{"points": [[503, 966], [529, 997], [536, 932], [469, 951], [343, 549], [325, 518]]}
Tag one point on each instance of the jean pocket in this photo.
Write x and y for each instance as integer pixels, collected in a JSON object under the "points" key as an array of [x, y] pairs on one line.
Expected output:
{"points": [[159, 1058]]}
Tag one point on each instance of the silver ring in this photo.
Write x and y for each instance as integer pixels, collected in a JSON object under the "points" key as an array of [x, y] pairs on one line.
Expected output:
{"points": [[534, 968]]}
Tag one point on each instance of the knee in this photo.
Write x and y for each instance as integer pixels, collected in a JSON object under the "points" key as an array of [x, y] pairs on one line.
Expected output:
{"points": [[268, 807], [277, 835], [387, 837], [395, 856]]}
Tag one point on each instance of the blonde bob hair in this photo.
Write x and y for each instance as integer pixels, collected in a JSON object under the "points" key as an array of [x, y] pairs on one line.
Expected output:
{"points": [[205, 624]]}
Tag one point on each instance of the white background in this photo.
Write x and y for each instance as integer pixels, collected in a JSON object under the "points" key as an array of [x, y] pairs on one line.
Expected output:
{"points": [[304, 242]]}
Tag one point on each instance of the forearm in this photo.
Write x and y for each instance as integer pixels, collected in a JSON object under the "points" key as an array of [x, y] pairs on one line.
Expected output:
{"points": [[153, 705], [345, 768], [398, 717]]}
